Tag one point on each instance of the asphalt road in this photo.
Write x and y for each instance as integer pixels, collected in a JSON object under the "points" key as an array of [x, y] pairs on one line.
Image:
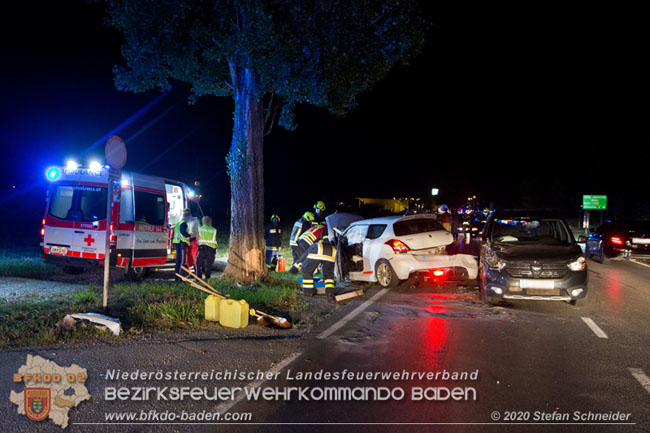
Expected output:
{"points": [[529, 358]]}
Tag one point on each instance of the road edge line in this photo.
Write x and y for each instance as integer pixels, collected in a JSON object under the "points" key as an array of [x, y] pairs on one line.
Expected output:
{"points": [[641, 377], [351, 315], [639, 263], [595, 328], [226, 406]]}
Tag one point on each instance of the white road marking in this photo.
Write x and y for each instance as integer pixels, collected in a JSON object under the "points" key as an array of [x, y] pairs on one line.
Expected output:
{"points": [[226, 406], [592, 325], [354, 313], [640, 263], [641, 377]]}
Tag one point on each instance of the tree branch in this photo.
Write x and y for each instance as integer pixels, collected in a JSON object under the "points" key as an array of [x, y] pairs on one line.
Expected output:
{"points": [[269, 115]]}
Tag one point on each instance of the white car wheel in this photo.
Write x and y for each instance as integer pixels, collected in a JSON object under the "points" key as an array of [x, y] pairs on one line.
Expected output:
{"points": [[386, 276]]}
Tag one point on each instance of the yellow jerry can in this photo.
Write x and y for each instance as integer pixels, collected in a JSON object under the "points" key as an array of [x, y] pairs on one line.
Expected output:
{"points": [[212, 308], [233, 314]]}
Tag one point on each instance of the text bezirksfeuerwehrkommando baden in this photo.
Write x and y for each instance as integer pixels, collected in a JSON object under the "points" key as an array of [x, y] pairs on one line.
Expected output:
{"points": [[325, 385]]}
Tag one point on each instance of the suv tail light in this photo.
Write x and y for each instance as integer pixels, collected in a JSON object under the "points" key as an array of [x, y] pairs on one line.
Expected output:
{"points": [[616, 240], [398, 246]]}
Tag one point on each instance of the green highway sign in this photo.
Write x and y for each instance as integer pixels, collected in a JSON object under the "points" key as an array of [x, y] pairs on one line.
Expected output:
{"points": [[594, 202]]}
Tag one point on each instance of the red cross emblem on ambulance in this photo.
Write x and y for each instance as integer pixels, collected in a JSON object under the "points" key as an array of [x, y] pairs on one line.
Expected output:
{"points": [[89, 240]]}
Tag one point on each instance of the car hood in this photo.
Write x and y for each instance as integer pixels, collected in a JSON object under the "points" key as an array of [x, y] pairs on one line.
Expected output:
{"points": [[536, 252]]}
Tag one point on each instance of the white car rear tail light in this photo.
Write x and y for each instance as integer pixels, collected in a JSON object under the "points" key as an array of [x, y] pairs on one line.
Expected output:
{"points": [[398, 246]]}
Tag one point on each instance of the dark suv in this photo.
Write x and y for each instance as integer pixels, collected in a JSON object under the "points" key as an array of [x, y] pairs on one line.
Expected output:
{"points": [[628, 239], [531, 255]]}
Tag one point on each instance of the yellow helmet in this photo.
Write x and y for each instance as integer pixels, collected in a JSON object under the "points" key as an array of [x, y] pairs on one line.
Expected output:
{"points": [[319, 205], [308, 216]]}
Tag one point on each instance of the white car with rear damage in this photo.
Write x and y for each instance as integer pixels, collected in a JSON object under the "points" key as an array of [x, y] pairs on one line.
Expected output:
{"points": [[390, 250]]}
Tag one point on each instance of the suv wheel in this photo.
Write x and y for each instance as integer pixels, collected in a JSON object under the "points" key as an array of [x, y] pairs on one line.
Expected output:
{"points": [[386, 276], [601, 254], [73, 270], [485, 298]]}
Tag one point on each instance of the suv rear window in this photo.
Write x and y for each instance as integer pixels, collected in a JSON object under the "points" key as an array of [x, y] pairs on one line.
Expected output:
{"points": [[418, 225], [78, 203]]}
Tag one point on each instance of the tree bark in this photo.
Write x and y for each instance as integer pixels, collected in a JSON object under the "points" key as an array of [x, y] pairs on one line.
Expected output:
{"points": [[246, 252]]}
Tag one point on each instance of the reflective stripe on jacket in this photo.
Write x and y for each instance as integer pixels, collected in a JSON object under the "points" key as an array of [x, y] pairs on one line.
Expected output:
{"points": [[208, 236], [322, 251], [313, 234], [299, 227]]}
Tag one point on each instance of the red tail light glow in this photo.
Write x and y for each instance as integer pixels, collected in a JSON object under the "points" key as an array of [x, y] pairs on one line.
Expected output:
{"points": [[398, 246], [616, 240], [43, 231], [438, 272]]}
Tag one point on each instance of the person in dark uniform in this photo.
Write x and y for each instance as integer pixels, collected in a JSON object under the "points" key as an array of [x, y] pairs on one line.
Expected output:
{"points": [[181, 242], [273, 238], [299, 227], [321, 254]]}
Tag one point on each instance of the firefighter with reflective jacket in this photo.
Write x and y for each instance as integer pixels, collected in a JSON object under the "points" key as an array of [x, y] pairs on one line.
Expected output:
{"points": [[207, 241], [299, 227], [273, 237], [319, 211], [306, 240], [181, 241], [321, 254]]}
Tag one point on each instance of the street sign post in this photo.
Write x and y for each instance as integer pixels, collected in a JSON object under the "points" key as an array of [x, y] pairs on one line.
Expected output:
{"points": [[594, 202]]}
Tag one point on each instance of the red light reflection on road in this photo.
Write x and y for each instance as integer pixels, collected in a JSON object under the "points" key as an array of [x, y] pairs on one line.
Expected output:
{"points": [[613, 285], [436, 337]]}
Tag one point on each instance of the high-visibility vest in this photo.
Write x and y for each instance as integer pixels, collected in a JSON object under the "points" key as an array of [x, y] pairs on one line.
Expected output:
{"points": [[208, 236], [178, 236], [312, 235]]}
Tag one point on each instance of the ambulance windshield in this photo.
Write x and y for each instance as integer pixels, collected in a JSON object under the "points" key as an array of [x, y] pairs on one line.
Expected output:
{"points": [[78, 203]]}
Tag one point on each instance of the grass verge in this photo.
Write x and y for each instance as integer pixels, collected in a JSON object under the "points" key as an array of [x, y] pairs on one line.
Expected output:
{"points": [[27, 264], [146, 306]]}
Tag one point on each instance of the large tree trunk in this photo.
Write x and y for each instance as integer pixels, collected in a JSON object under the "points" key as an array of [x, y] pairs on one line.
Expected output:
{"points": [[246, 253]]}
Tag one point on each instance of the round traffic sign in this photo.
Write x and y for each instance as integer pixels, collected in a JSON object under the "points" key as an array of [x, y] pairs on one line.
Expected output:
{"points": [[115, 152]]}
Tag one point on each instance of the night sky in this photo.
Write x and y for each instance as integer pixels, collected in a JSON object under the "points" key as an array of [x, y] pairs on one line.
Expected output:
{"points": [[521, 104]]}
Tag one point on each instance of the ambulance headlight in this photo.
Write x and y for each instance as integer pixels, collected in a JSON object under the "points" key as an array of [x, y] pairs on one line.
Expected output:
{"points": [[71, 165], [53, 173], [95, 166]]}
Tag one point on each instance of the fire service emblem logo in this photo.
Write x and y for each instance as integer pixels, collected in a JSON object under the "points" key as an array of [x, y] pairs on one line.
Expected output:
{"points": [[37, 403]]}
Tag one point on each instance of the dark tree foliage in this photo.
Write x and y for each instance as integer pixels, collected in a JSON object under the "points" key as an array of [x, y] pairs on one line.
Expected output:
{"points": [[319, 52]]}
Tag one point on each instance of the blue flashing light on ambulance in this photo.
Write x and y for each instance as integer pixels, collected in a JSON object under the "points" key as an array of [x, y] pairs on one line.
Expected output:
{"points": [[144, 211]]}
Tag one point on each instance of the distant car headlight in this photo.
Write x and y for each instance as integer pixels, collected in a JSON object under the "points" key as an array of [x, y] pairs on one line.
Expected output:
{"points": [[578, 265]]}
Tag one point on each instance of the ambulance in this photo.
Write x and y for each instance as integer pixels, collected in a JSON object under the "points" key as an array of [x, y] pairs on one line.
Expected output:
{"points": [[144, 211]]}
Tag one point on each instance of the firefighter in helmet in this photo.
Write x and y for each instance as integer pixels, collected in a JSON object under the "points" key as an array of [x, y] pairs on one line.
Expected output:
{"points": [[273, 238], [321, 254], [299, 227], [319, 211], [306, 240]]}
